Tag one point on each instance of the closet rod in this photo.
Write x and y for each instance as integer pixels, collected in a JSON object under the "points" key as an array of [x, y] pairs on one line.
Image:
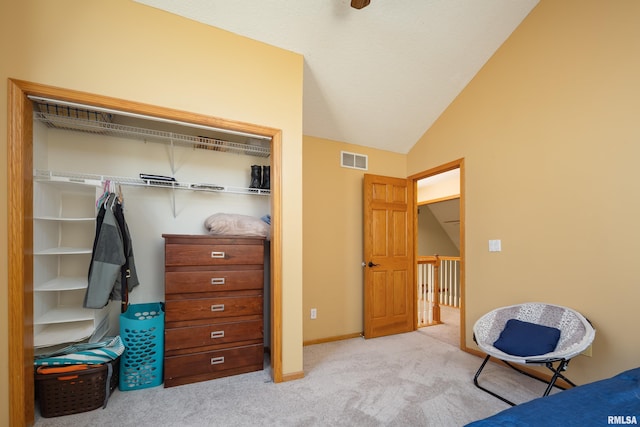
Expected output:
{"points": [[142, 116]]}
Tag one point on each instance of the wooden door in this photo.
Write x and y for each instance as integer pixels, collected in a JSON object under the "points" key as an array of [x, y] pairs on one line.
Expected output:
{"points": [[389, 294]]}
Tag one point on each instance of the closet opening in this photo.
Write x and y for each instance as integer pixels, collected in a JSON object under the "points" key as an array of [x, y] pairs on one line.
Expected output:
{"points": [[151, 152]]}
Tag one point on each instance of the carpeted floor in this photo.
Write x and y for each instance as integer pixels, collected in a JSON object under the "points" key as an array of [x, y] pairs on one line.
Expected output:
{"points": [[409, 379], [447, 331]]}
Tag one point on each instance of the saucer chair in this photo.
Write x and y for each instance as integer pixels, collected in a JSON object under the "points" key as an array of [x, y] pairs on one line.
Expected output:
{"points": [[532, 334]]}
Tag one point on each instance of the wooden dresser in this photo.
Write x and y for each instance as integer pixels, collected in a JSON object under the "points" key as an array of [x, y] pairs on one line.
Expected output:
{"points": [[213, 307]]}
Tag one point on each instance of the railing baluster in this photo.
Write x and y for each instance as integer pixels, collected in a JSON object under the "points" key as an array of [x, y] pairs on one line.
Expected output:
{"points": [[419, 283], [438, 282], [431, 291], [427, 289], [452, 290], [456, 284], [445, 282], [421, 293], [450, 281], [424, 293]]}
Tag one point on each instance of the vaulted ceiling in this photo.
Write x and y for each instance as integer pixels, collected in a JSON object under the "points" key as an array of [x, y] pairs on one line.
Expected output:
{"points": [[377, 76]]}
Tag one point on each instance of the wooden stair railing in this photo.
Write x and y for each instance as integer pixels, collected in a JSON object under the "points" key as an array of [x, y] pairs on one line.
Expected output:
{"points": [[431, 294]]}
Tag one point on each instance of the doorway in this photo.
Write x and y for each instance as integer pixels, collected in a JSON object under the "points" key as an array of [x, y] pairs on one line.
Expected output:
{"points": [[440, 213], [20, 225], [438, 255]]}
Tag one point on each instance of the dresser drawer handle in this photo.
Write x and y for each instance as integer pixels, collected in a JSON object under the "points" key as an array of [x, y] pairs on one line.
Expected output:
{"points": [[217, 254], [217, 334], [217, 307], [217, 360], [217, 280]]}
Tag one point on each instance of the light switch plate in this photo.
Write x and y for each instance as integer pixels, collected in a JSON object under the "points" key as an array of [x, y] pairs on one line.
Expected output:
{"points": [[495, 245]]}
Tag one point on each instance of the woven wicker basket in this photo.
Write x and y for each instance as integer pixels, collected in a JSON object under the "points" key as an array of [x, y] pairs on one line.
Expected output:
{"points": [[78, 391]]}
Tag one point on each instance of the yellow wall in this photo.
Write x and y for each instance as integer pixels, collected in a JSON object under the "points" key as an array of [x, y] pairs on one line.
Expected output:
{"points": [[432, 238], [126, 50], [332, 235], [550, 133]]}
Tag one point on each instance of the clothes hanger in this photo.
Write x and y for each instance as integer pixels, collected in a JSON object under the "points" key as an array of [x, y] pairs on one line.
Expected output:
{"points": [[106, 201], [114, 198], [120, 196], [105, 193]]}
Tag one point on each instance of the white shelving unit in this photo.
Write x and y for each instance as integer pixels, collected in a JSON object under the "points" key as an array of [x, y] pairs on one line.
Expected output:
{"points": [[64, 227]]}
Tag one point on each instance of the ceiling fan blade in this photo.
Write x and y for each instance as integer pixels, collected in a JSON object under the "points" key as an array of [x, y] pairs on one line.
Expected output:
{"points": [[359, 4]]}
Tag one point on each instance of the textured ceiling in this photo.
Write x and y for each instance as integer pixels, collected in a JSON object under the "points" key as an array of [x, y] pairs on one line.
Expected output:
{"points": [[379, 76]]}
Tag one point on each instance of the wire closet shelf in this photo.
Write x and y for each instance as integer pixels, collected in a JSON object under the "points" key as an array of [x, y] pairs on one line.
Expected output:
{"points": [[99, 180], [101, 125]]}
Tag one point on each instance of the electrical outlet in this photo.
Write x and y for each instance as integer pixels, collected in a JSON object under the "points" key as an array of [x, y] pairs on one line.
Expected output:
{"points": [[587, 352], [495, 245], [314, 313]]}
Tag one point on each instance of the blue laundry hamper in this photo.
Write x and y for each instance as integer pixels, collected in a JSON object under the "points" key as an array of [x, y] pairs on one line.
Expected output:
{"points": [[142, 332]]}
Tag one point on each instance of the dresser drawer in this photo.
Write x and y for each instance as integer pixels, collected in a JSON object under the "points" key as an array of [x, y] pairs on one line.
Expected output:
{"points": [[181, 282], [218, 333], [212, 308], [213, 361], [213, 254]]}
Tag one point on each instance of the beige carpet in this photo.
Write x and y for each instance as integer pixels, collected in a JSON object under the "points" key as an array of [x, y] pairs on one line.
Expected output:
{"points": [[409, 379], [447, 331]]}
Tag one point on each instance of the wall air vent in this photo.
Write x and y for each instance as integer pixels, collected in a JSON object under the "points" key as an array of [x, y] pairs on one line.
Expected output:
{"points": [[354, 160]]}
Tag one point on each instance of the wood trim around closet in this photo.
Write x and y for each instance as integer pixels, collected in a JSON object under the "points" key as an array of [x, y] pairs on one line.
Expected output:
{"points": [[276, 257], [20, 260], [20, 226]]}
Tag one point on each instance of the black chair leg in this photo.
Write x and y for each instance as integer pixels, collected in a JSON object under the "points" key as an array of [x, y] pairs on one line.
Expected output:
{"points": [[557, 373], [486, 390]]}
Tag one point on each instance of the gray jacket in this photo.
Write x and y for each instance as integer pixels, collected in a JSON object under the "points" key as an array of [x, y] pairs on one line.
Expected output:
{"points": [[109, 257]]}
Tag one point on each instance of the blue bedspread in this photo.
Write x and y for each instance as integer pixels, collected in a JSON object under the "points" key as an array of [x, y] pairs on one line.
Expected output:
{"points": [[614, 401]]}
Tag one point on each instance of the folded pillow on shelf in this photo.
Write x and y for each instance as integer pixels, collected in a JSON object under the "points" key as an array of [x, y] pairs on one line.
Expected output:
{"points": [[236, 225]]}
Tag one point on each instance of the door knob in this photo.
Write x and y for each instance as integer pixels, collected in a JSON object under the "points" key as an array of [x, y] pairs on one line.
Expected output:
{"points": [[371, 264]]}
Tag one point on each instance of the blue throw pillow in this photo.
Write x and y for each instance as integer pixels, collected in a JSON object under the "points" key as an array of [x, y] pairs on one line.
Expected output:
{"points": [[523, 339]]}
